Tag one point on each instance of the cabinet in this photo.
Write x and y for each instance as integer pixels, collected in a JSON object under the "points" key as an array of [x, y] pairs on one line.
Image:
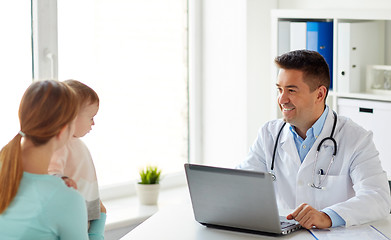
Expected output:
{"points": [[361, 63], [373, 115]]}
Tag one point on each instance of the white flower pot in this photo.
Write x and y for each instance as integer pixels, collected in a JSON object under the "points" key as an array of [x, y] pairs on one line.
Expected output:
{"points": [[148, 193]]}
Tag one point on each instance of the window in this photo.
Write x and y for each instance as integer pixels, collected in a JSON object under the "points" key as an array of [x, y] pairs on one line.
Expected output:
{"points": [[15, 62], [134, 55]]}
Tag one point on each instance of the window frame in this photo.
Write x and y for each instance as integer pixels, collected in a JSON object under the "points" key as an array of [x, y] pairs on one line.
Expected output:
{"points": [[44, 39], [45, 66]]}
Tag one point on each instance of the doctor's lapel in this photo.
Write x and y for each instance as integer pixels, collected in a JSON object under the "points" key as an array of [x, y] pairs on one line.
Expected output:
{"points": [[288, 147]]}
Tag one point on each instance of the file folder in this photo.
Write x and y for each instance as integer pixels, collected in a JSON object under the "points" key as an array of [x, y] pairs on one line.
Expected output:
{"points": [[320, 39], [298, 36], [284, 33], [359, 44]]}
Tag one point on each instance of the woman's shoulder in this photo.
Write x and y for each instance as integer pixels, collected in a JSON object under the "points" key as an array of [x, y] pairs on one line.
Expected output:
{"points": [[62, 207], [64, 193], [61, 199], [49, 199], [48, 187]]}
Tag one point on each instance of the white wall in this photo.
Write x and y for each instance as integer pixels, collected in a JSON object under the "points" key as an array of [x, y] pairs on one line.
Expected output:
{"points": [[223, 80], [235, 71], [259, 60], [233, 77]]}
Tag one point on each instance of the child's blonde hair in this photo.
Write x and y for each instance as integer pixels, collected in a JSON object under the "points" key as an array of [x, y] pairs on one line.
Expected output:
{"points": [[85, 94]]}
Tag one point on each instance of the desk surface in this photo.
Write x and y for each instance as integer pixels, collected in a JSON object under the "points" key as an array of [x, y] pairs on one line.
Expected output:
{"points": [[178, 223]]}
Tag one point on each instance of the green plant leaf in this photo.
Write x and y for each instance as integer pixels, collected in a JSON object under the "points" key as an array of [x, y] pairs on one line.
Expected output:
{"points": [[150, 175]]}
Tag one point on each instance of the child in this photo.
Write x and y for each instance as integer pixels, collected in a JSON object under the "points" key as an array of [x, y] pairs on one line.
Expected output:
{"points": [[33, 204], [74, 162]]}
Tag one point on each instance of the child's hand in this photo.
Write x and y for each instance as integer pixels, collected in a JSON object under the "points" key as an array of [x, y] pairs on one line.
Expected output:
{"points": [[69, 182], [102, 207]]}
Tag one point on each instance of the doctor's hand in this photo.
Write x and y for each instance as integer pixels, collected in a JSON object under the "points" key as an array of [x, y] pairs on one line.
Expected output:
{"points": [[309, 217]]}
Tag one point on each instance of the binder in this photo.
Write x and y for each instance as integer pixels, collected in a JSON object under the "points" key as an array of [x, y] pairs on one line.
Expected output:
{"points": [[320, 39], [298, 38], [348, 68], [359, 44], [284, 34]]}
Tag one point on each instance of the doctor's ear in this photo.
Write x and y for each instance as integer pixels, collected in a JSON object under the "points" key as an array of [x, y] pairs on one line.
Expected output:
{"points": [[322, 91]]}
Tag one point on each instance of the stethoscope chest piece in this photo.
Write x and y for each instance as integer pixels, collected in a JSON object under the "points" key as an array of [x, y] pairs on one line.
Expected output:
{"points": [[273, 175]]}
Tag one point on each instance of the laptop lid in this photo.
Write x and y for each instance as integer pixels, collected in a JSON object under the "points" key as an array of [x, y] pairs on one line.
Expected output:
{"points": [[233, 198]]}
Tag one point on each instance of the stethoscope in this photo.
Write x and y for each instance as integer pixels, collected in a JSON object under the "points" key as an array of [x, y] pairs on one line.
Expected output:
{"points": [[321, 174]]}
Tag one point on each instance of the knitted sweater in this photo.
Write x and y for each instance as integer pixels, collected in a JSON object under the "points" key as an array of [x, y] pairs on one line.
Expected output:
{"points": [[74, 161]]}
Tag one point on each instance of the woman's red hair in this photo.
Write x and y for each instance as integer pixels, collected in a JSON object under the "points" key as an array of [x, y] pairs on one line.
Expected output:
{"points": [[46, 108]]}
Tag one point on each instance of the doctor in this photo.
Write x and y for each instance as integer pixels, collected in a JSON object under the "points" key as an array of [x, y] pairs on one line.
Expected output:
{"points": [[325, 191]]}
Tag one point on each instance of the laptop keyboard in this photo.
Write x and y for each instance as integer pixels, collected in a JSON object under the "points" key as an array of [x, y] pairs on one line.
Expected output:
{"points": [[286, 224]]}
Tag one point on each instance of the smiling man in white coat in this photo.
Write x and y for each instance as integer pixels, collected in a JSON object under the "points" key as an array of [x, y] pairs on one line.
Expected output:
{"points": [[341, 185]]}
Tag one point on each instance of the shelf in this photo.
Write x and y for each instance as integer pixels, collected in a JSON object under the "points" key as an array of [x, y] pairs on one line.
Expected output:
{"points": [[355, 14], [365, 96], [349, 76]]}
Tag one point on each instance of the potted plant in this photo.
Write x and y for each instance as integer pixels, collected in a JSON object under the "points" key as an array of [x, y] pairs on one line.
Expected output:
{"points": [[148, 186]]}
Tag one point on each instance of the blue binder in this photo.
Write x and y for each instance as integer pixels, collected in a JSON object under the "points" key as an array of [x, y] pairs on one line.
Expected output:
{"points": [[320, 39]]}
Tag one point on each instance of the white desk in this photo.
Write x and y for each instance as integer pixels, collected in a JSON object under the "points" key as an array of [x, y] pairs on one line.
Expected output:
{"points": [[178, 223]]}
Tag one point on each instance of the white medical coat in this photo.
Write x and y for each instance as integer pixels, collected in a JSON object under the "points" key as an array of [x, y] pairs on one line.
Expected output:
{"points": [[356, 187]]}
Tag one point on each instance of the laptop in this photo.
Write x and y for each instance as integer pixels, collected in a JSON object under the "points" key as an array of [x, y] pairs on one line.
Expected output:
{"points": [[235, 199]]}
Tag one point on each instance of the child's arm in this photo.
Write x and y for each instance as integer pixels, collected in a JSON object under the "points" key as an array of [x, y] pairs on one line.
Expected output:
{"points": [[97, 227], [102, 207]]}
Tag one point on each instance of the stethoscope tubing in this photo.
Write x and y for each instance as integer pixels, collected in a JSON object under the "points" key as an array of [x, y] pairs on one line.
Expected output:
{"points": [[275, 145], [322, 177]]}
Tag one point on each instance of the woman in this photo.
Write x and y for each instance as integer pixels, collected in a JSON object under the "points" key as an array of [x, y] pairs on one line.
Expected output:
{"points": [[33, 204]]}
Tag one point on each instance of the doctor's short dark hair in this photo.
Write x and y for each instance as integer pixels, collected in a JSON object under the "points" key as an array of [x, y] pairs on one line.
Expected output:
{"points": [[313, 65]]}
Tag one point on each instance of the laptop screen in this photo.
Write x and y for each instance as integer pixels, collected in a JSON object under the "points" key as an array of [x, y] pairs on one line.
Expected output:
{"points": [[233, 198]]}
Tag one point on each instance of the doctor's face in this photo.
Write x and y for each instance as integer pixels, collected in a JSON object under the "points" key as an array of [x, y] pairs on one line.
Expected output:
{"points": [[299, 106]]}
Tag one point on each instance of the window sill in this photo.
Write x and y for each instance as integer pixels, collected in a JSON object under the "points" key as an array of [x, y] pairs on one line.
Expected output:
{"points": [[126, 211]]}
